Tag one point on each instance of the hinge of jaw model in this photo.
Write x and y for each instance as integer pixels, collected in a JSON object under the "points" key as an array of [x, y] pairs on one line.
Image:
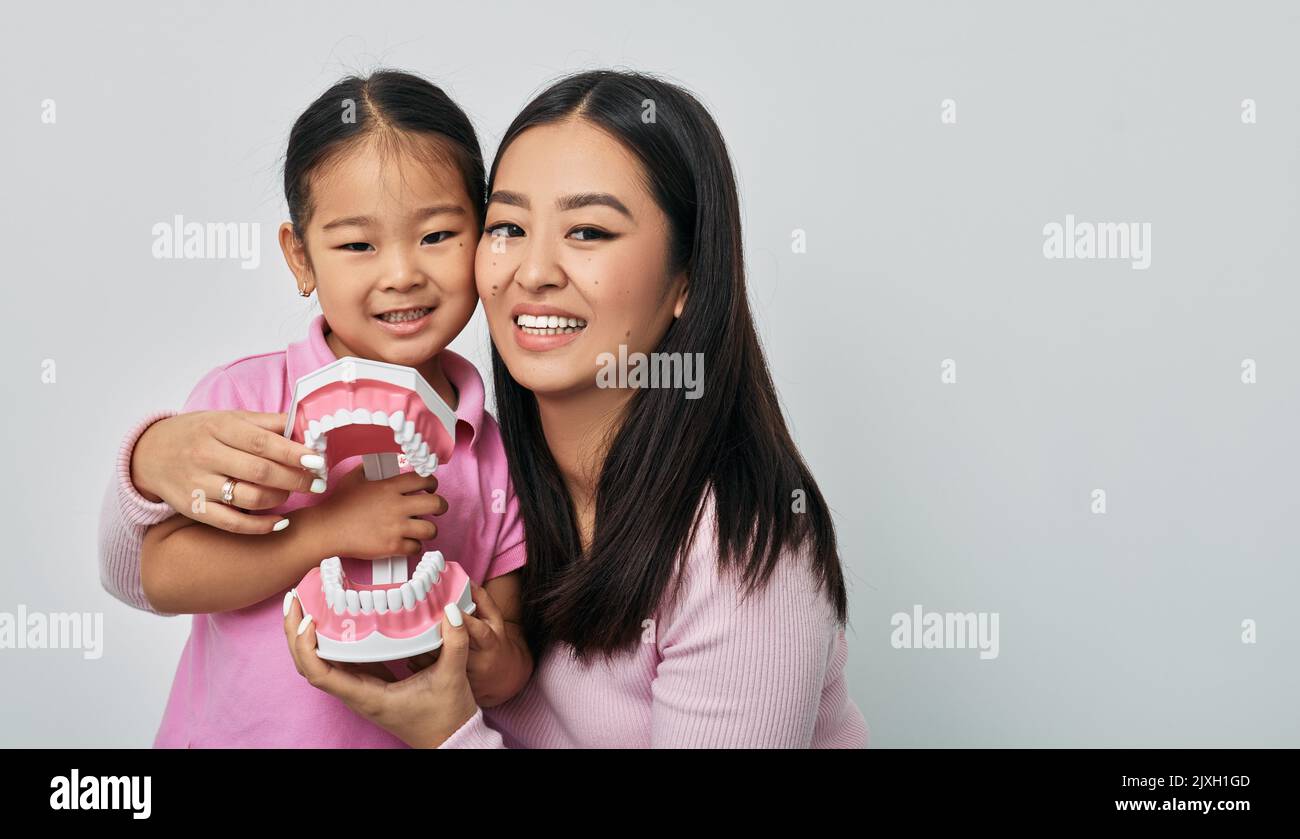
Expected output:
{"points": [[352, 407]]}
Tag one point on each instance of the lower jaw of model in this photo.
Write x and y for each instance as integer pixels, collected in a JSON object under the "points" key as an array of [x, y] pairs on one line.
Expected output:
{"points": [[385, 621], [379, 411]]}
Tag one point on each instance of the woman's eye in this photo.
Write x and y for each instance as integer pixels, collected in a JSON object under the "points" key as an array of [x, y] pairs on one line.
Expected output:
{"points": [[506, 230], [589, 234], [435, 238], [357, 247]]}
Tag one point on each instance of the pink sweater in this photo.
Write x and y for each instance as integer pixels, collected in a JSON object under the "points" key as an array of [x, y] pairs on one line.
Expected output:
{"points": [[712, 669]]}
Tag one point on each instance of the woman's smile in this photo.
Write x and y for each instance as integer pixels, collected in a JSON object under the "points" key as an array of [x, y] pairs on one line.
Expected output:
{"points": [[542, 328]]}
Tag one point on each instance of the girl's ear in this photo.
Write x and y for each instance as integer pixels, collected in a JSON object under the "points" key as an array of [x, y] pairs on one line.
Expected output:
{"points": [[295, 256]]}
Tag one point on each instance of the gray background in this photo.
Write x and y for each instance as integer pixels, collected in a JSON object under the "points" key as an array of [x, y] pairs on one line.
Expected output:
{"points": [[924, 243]]}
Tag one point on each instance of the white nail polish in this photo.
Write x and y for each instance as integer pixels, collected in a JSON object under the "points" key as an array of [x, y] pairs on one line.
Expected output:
{"points": [[306, 622], [312, 461], [452, 611], [288, 601], [280, 525], [318, 486]]}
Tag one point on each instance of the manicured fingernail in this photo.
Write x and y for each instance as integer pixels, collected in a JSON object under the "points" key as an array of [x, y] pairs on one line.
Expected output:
{"points": [[280, 525], [288, 601], [306, 622], [318, 486], [452, 611], [312, 461]]}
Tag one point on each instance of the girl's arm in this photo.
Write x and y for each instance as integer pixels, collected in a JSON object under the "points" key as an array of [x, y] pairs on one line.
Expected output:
{"points": [[187, 567]]}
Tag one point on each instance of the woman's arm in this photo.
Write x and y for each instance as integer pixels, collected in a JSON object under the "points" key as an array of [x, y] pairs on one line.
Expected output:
{"points": [[750, 672]]}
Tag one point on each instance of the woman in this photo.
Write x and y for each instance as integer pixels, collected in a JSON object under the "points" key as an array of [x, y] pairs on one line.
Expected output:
{"points": [[682, 586]]}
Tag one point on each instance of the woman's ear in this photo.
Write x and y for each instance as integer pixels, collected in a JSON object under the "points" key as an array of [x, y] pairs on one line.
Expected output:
{"points": [[683, 283], [295, 256]]}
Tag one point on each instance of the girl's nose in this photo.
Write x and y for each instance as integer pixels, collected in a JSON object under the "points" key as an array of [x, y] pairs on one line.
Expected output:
{"points": [[402, 272]]}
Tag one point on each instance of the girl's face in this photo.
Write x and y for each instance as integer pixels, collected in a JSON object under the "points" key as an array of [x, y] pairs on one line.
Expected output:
{"points": [[389, 249], [572, 232]]}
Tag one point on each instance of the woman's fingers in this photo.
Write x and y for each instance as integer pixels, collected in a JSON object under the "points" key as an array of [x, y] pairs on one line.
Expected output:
{"points": [[455, 643], [258, 472], [416, 663], [233, 521], [240, 433], [358, 689], [485, 608]]}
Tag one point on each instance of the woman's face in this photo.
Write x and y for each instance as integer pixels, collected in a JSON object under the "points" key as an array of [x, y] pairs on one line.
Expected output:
{"points": [[389, 250], [573, 233]]}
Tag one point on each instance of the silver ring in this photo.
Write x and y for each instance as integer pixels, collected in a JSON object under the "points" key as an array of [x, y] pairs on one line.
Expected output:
{"points": [[228, 490]]}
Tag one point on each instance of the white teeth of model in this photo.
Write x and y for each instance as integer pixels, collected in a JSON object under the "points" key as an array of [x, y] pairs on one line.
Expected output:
{"points": [[340, 603], [439, 562], [409, 446], [326, 424], [396, 421], [433, 462], [314, 429], [354, 601], [329, 597], [360, 416], [408, 596], [422, 453], [319, 445], [342, 417], [423, 470], [380, 601], [408, 431], [394, 600], [367, 601], [379, 418], [420, 587]]}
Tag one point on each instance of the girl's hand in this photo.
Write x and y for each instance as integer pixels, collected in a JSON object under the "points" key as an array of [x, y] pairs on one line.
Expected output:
{"points": [[421, 710], [201, 450], [379, 519]]}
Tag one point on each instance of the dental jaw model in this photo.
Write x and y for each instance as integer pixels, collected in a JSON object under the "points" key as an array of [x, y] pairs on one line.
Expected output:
{"points": [[352, 407]]}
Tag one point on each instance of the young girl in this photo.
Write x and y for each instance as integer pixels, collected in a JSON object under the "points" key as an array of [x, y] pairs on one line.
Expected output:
{"points": [[384, 182]]}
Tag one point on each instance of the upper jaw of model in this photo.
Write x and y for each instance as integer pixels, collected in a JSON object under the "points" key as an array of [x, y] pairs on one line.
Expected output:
{"points": [[353, 407]]}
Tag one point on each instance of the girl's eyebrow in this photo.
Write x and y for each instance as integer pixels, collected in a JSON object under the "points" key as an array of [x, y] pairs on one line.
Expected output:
{"points": [[564, 203], [418, 215]]}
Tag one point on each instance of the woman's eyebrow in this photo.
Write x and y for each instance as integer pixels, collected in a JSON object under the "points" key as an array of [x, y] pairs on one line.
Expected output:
{"points": [[590, 199], [564, 203]]}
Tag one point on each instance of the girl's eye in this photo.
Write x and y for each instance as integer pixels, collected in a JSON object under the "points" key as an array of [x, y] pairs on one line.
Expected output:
{"points": [[589, 234], [356, 247], [505, 229], [435, 238]]}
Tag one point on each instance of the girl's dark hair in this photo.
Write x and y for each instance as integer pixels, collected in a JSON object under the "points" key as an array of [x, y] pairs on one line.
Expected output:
{"points": [[669, 450], [390, 106]]}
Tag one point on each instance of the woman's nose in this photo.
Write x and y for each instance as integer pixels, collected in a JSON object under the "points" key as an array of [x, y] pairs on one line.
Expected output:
{"points": [[539, 268]]}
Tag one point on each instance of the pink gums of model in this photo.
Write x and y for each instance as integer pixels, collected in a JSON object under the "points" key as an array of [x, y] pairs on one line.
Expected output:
{"points": [[356, 407]]}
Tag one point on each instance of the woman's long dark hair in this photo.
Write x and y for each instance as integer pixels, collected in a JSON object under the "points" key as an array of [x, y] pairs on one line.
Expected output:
{"points": [[669, 450]]}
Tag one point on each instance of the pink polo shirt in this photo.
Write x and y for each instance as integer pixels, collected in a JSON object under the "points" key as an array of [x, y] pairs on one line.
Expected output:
{"points": [[236, 685]]}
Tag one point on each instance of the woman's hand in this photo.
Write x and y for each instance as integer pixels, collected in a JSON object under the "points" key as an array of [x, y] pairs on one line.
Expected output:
{"points": [[421, 710], [201, 450], [379, 519], [499, 661]]}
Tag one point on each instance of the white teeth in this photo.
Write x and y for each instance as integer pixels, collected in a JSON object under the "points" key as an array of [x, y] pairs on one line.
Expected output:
{"points": [[394, 600], [408, 596], [332, 563], [367, 601], [314, 429], [360, 416], [420, 586], [545, 324], [326, 424], [354, 601], [340, 603], [380, 601], [396, 421], [342, 417], [408, 431], [319, 445], [379, 418], [422, 453], [329, 596]]}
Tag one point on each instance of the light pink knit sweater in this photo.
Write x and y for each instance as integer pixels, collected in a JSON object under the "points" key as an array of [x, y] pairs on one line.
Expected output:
{"points": [[712, 669]]}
